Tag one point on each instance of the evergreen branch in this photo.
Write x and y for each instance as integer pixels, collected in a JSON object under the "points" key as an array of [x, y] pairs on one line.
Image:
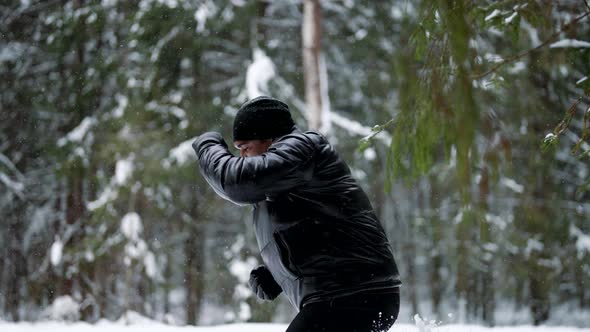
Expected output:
{"points": [[581, 189], [564, 124], [587, 4], [380, 128], [32, 9], [585, 133], [376, 130], [525, 53]]}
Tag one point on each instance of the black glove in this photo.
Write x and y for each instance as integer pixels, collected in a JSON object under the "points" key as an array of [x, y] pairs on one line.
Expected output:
{"points": [[263, 284], [208, 138]]}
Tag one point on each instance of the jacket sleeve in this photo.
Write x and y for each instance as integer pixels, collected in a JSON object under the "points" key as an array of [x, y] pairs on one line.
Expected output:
{"points": [[247, 180]]}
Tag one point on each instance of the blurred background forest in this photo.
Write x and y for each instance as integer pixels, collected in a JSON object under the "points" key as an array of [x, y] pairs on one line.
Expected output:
{"points": [[465, 122]]}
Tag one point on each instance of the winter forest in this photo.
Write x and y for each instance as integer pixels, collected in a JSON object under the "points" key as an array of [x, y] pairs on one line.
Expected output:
{"points": [[466, 122]]}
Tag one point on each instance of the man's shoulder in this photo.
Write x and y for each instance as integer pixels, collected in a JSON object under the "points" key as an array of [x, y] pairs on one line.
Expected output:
{"points": [[298, 137], [314, 135]]}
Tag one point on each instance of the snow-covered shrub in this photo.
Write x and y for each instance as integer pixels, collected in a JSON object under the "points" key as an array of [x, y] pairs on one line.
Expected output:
{"points": [[63, 308]]}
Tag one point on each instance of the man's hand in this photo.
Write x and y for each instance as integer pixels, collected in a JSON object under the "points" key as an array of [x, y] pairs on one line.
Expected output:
{"points": [[263, 284], [208, 137]]}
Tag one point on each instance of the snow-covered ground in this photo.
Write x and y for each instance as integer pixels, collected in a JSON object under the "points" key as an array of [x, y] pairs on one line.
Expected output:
{"points": [[134, 322], [147, 326]]}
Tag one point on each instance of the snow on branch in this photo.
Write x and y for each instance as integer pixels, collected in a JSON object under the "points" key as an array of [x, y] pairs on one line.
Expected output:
{"points": [[181, 154], [123, 173], [56, 252], [6, 161], [582, 242], [107, 195], [570, 43], [259, 73], [124, 170], [131, 226], [205, 11], [78, 133], [16, 187], [549, 41], [493, 14], [350, 126], [356, 128], [162, 42]]}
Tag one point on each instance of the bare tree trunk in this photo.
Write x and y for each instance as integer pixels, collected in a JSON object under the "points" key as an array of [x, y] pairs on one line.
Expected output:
{"points": [[437, 280], [409, 258], [539, 293], [167, 283], [260, 29], [3, 268], [579, 279], [16, 264], [74, 211], [487, 276], [101, 271], [192, 276], [11, 295], [462, 273], [194, 270], [409, 252], [311, 30]]}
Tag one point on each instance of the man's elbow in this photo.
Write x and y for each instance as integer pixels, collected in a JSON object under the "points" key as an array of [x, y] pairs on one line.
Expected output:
{"points": [[242, 195]]}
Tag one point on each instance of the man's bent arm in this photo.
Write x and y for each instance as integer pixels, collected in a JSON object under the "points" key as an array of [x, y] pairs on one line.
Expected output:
{"points": [[241, 180]]}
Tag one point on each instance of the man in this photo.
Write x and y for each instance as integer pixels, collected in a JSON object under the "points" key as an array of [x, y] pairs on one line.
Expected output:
{"points": [[319, 238]]}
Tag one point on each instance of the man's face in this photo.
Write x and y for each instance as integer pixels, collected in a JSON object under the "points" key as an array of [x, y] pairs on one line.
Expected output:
{"points": [[250, 148]]}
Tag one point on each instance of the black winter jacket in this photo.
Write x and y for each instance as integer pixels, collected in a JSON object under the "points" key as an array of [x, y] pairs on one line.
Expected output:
{"points": [[316, 230]]}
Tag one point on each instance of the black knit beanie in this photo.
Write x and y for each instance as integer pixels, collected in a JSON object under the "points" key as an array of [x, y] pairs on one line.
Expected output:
{"points": [[262, 118]]}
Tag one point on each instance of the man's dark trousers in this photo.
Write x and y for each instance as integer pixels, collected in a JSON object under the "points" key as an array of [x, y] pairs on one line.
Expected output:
{"points": [[354, 313]]}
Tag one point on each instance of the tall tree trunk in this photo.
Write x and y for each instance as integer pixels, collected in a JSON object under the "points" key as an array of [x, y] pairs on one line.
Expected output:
{"points": [[260, 30], [167, 283], [194, 269], [312, 33], [539, 293], [3, 268], [580, 280], [409, 252], [74, 211], [487, 275], [16, 263], [75, 206], [410, 262], [102, 295], [463, 283], [140, 300], [468, 289], [437, 280]]}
